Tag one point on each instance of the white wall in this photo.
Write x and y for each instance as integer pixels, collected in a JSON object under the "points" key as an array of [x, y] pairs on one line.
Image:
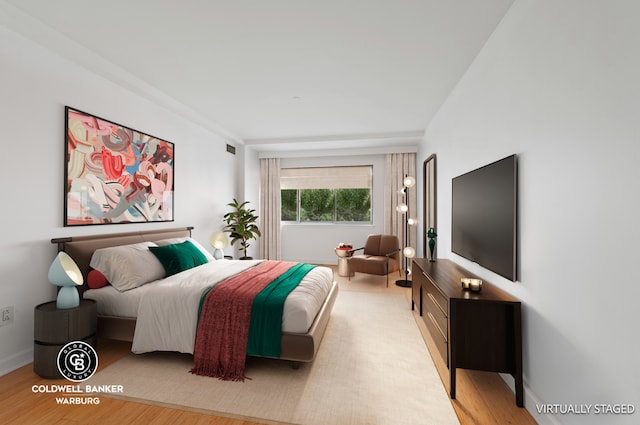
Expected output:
{"points": [[250, 191], [558, 84], [315, 242], [35, 86]]}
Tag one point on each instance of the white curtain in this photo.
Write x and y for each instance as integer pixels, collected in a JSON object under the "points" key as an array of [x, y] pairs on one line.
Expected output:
{"points": [[270, 245], [397, 166]]}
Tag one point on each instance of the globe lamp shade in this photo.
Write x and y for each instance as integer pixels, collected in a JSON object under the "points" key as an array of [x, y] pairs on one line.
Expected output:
{"points": [[64, 272], [409, 181], [409, 252], [219, 241]]}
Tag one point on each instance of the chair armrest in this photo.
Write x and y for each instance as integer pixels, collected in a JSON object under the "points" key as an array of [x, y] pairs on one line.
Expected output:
{"points": [[395, 251]]}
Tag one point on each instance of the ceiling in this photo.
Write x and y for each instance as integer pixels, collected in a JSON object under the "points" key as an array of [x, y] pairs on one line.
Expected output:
{"points": [[277, 74]]}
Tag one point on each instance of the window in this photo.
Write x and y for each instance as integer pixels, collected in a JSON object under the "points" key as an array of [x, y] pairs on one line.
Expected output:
{"points": [[326, 194], [289, 204]]}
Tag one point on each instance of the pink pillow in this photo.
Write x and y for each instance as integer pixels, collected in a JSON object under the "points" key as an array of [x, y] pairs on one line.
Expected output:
{"points": [[95, 279]]}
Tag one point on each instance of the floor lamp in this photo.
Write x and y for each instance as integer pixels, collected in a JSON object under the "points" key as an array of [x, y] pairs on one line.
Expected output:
{"points": [[407, 251]]}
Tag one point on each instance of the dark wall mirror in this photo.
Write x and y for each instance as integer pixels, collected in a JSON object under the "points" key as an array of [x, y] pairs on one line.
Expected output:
{"points": [[429, 207]]}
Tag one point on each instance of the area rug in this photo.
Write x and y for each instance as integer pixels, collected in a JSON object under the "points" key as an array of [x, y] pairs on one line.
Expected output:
{"points": [[372, 368]]}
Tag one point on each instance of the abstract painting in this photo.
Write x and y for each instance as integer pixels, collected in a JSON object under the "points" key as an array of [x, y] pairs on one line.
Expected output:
{"points": [[115, 174]]}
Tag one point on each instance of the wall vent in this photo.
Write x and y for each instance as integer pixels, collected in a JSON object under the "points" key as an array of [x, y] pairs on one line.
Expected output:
{"points": [[231, 149]]}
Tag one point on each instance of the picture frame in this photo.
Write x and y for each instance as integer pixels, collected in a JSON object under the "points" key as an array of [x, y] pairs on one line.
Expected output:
{"points": [[115, 174]]}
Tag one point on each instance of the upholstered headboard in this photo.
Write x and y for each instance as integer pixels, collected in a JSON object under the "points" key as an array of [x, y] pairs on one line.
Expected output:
{"points": [[81, 248]]}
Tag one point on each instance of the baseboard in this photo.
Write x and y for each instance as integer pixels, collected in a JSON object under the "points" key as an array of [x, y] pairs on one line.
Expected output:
{"points": [[16, 361], [531, 402], [319, 261]]}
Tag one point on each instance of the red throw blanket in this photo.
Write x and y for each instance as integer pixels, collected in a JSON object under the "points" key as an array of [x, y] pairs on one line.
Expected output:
{"points": [[223, 330]]}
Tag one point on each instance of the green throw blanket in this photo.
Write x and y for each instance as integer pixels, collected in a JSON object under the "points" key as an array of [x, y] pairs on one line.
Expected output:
{"points": [[265, 330]]}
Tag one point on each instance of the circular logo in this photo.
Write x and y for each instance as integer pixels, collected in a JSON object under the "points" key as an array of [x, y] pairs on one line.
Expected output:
{"points": [[77, 361]]}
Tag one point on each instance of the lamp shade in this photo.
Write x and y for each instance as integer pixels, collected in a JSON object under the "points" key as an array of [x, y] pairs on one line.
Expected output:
{"points": [[409, 252], [64, 272], [402, 208], [219, 241], [409, 181]]}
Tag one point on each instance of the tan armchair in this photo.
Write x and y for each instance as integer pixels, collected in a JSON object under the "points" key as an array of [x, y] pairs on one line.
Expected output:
{"points": [[381, 256]]}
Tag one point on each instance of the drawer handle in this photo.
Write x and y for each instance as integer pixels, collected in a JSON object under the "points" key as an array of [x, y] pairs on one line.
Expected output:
{"points": [[433, 320], [433, 300]]}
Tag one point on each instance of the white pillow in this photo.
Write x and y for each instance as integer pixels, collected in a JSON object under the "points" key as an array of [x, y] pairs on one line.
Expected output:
{"points": [[128, 266], [172, 241]]}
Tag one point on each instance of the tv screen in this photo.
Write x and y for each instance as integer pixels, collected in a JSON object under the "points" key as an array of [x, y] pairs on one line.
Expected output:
{"points": [[484, 216]]}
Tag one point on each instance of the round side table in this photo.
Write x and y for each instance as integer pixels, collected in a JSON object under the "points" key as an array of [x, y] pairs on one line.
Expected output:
{"points": [[54, 328], [343, 261]]}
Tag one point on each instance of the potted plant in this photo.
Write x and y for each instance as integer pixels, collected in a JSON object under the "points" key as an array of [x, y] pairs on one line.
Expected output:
{"points": [[241, 225]]}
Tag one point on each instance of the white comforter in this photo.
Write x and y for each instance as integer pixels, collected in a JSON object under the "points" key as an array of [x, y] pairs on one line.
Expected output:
{"points": [[168, 308]]}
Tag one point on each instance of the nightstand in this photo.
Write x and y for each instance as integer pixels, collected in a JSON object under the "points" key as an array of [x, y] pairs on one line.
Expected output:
{"points": [[54, 328]]}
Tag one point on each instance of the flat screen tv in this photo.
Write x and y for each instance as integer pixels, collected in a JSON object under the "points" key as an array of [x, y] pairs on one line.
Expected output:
{"points": [[484, 216]]}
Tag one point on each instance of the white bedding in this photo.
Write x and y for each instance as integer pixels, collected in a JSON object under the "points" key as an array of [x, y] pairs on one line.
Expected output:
{"points": [[166, 309]]}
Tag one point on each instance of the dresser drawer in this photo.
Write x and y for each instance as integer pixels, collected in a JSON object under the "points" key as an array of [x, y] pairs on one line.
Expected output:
{"points": [[45, 357], [59, 326], [436, 295], [435, 308], [438, 314], [438, 335]]}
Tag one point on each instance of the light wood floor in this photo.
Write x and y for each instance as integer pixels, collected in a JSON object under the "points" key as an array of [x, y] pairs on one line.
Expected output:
{"points": [[482, 397]]}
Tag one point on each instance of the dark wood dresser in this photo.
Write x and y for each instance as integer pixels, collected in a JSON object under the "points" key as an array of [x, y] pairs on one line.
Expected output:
{"points": [[472, 330]]}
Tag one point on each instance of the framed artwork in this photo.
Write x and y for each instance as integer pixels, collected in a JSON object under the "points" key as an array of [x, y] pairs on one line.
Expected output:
{"points": [[114, 174]]}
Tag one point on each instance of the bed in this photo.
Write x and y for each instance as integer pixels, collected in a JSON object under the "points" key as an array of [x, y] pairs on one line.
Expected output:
{"points": [[121, 312]]}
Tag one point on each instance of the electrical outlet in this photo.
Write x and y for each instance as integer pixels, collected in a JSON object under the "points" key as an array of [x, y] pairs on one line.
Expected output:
{"points": [[7, 316]]}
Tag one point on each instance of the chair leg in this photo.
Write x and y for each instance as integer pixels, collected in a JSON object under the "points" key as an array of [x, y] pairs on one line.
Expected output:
{"points": [[387, 272]]}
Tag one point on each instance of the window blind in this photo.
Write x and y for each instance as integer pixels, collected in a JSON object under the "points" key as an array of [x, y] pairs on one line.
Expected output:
{"points": [[354, 177]]}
